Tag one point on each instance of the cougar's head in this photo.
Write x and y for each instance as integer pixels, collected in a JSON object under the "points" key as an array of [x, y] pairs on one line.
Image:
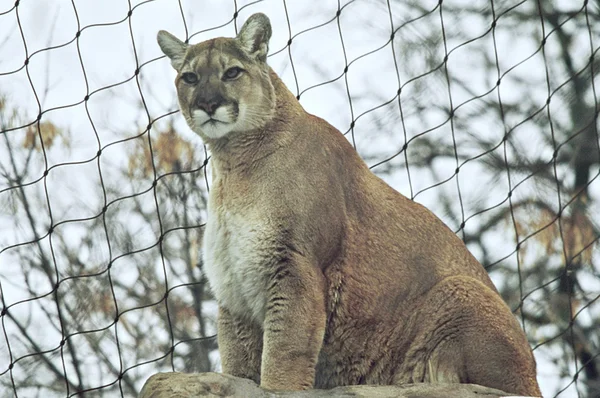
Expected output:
{"points": [[223, 84]]}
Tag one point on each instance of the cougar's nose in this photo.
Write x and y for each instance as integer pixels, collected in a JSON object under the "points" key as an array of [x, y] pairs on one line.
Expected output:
{"points": [[209, 105]]}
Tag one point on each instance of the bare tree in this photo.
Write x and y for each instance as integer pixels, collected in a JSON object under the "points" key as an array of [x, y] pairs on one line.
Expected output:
{"points": [[494, 125], [528, 130], [104, 294]]}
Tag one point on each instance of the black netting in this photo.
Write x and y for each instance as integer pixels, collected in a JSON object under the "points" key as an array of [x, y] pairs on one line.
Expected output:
{"points": [[485, 111]]}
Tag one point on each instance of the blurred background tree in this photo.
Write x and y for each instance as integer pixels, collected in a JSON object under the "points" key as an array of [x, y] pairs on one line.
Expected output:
{"points": [[487, 112], [531, 128], [96, 306]]}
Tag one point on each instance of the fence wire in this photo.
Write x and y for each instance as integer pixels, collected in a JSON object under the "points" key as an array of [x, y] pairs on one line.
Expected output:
{"points": [[485, 111]]}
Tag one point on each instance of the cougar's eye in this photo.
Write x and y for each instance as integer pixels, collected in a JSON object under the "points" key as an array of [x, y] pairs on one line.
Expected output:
{"points": [[190, 78], [232, 73]]}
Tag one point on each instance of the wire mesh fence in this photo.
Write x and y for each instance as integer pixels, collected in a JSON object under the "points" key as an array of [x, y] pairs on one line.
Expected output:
{"points": [[484, 111]]}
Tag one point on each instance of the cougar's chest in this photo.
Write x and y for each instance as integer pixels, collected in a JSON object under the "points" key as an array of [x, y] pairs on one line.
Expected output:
{"points": [[235, 256]]}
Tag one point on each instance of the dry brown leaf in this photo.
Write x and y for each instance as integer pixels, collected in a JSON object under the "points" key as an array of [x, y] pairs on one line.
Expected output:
{"points": [[140, 160], [171, 151], [47, 130], [545, 227], [579, 237]]}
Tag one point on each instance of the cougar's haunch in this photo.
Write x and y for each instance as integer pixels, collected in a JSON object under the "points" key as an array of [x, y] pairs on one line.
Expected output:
{"points": [[325, 275]]}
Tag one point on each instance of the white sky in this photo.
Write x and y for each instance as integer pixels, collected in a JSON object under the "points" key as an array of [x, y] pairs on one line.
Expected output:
{"points": [[104, 55]]}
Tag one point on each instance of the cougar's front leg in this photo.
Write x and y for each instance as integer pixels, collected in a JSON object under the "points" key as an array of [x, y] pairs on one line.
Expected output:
{"points": [[240, 346], [294, 325]]}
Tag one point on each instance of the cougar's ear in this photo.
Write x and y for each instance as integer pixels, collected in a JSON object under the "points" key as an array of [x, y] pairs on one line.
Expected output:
{"points": [[254, 36], [172, 47]]}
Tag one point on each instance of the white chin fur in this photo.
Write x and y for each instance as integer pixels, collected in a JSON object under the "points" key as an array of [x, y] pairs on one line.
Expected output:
{"points": [[219, 127]]}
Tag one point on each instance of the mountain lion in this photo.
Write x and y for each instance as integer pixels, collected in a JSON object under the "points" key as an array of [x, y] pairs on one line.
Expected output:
{"points": [[324, 274]]}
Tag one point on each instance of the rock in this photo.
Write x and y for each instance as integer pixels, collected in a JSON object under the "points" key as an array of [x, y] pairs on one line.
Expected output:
{"points": [[189, 385]]}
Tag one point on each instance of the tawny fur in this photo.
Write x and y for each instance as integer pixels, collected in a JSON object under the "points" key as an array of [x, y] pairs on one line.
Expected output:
{"points": [[325, 275]]}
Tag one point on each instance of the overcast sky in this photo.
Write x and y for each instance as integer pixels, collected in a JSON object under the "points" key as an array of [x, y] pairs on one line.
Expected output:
{"points": [[104, 56]]}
